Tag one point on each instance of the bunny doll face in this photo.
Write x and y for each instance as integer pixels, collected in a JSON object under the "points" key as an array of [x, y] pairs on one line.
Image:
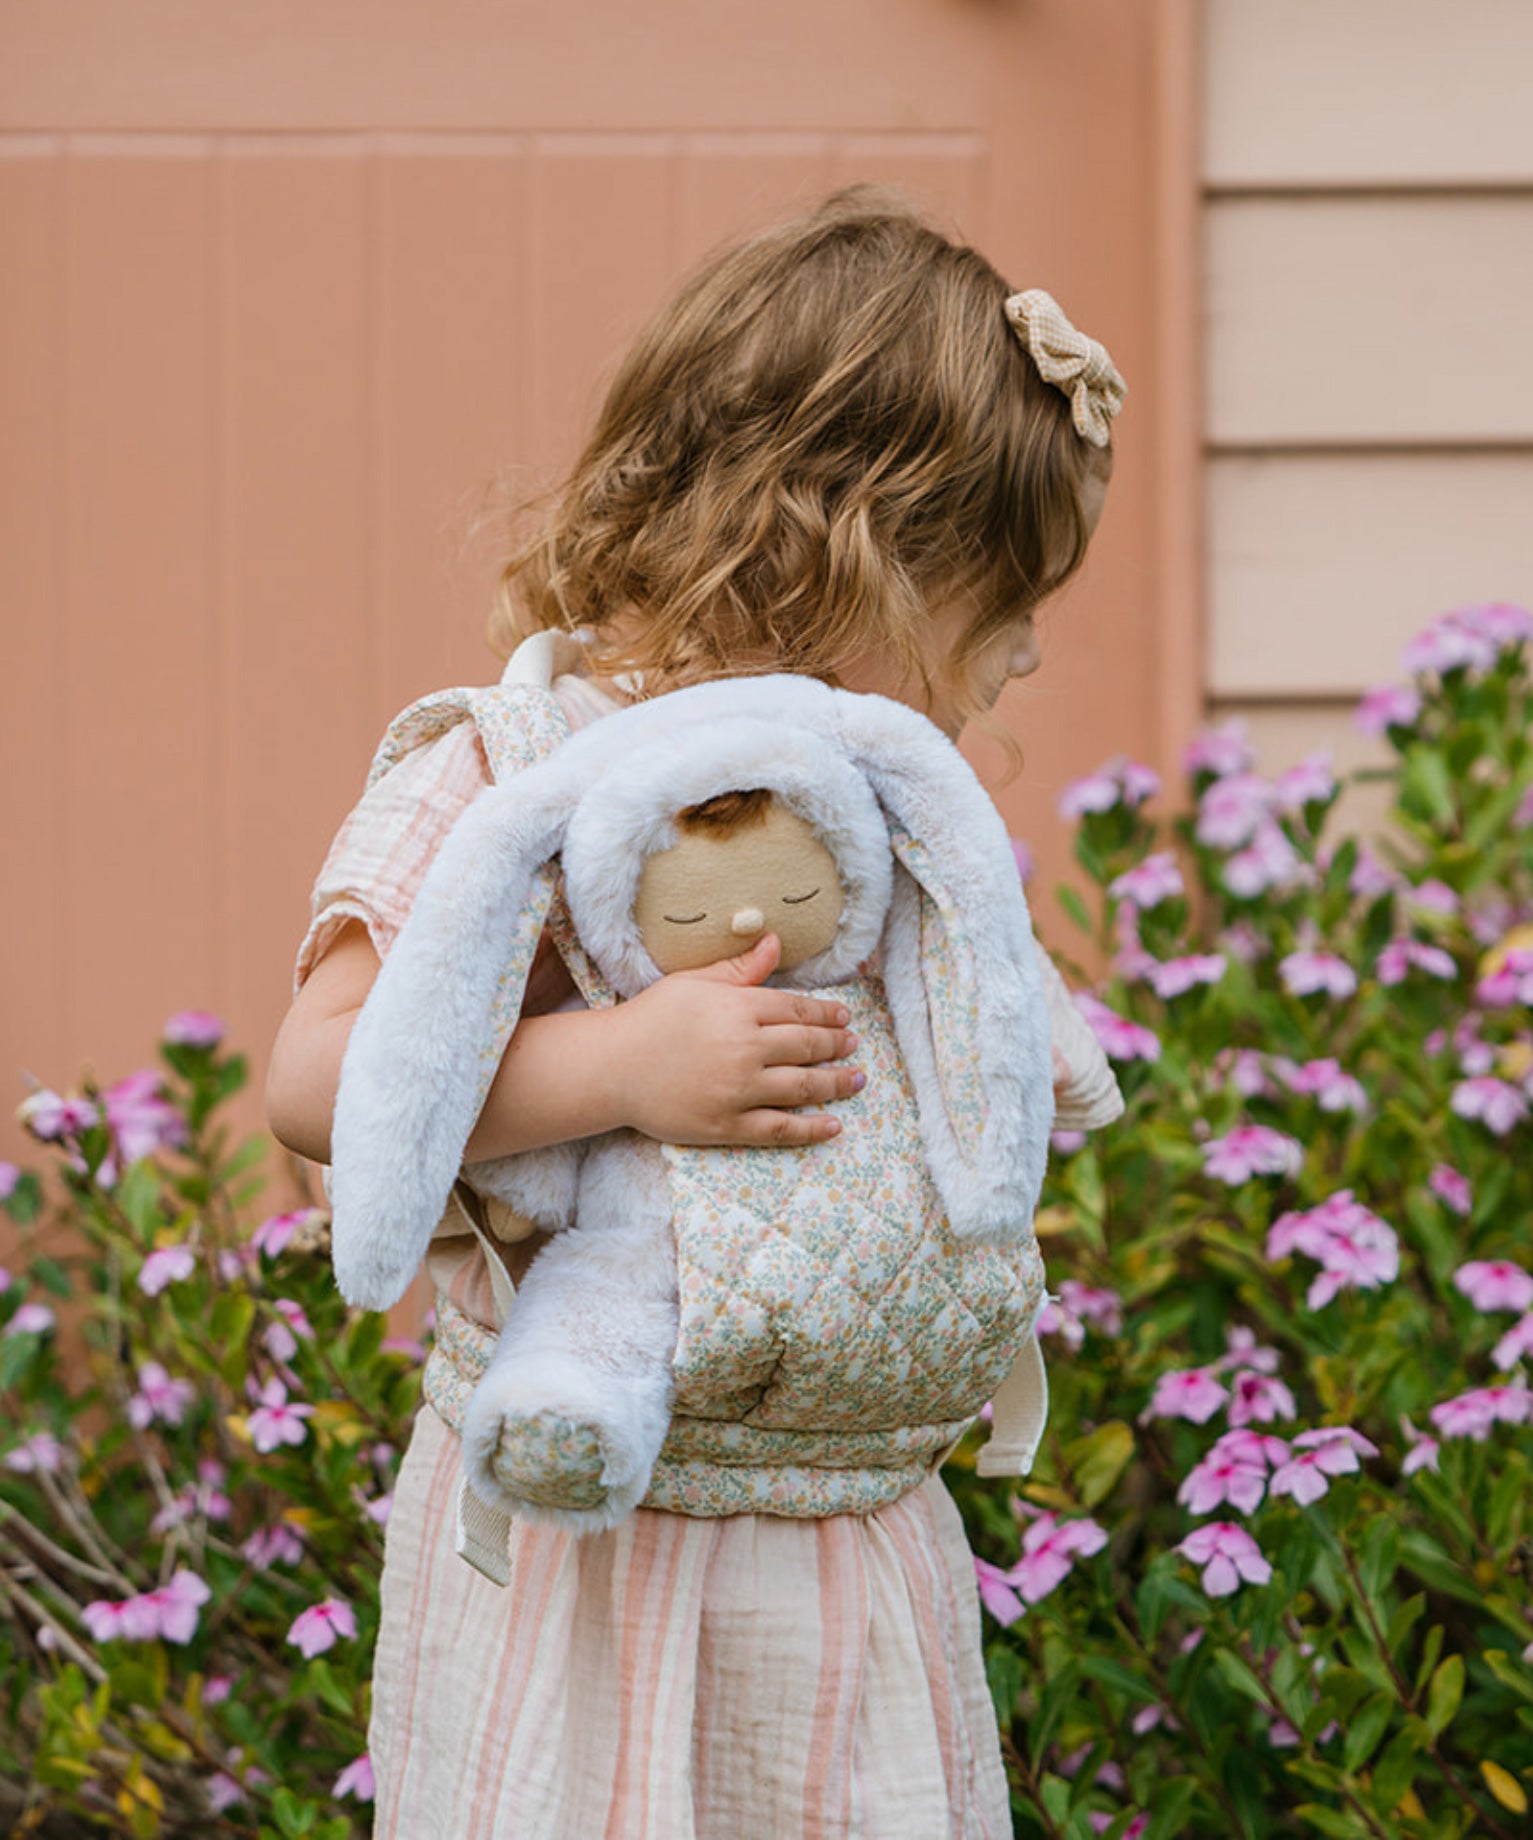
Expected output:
{"points": [[718, 888]]}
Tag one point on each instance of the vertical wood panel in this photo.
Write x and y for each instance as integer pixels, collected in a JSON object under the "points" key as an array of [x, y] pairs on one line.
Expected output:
{"points": [[35, 731], [453, 385], [732, 184], [945, 175], [298, 658], [140, 918], [605, 229]]}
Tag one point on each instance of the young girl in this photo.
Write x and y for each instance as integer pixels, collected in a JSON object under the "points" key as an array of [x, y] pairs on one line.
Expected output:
{"points": [[846, 449]]}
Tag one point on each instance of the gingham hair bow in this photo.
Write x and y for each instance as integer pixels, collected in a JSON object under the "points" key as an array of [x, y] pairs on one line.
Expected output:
{"points": [[1068, 359]]}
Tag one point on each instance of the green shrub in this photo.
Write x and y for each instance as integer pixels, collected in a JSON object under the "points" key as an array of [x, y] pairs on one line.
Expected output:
{"points": [[1270, 1573]]}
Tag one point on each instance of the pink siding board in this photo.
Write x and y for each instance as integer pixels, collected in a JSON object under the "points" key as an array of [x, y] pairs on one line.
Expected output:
{"points": [[139, 911], [35, 731], [298, 693]]}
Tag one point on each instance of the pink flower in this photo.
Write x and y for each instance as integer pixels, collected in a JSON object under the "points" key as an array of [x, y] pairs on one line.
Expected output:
{"points": [[1149, 883], [1496, 1103], [1473, 1413], [281, 1338], [1148, 1717], [1241, 940], [1228, 1554], [1220, 751], [10, 1175], [1337, 1434], [1323, 1080], [377, 1508], [1258, 1399], [170, 1612], [1421, 1455], [1251, 1150], [1247, 1073], [1232, 810], [1120, 781], [165, 1265], [159, 1397], [279, 1544], [49, 1117], [275, 1422], [1494, 1284], [1243, 1350], [231, 1262], [1312, 782], [194, 1028], [1049, 1550], [320, 1626], [997, 1594], [1514, 1345], [1220, 1478], [1506, 626], [30, 1319], [1121, 1039], [1397, 958], [1445, 646], [40, 1451], [1304, 974], [1172, 977], [1191, 1393], [204, 1497], [1510, 983], [1097, 792], [1022, 856], [222, 1791], [1452, 1189], [142, 1119], [273, 1234], [1258, 1449], [1389, 706], [1268, 861], [1370, 878], [216, 1689], [1352, 1246], [176, 1606], [416, 1351], [356, 1779], [1055, 1319], [1093, 1304]]}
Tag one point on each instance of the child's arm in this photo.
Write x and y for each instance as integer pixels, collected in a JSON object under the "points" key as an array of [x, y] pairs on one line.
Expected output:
{"points": [[701, 1057]]}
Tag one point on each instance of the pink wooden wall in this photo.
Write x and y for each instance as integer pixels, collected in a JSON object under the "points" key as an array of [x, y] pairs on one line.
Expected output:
{"points": [[286, 286]]}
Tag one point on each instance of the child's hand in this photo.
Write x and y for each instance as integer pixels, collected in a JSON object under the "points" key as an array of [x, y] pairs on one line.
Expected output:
{"points": [[709, 1057]]}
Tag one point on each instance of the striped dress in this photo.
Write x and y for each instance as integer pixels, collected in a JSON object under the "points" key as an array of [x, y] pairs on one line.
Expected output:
{"points": [[674, 1679]]}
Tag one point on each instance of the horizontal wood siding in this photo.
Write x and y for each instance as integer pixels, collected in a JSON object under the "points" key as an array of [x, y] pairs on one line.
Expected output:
{"points": [[1368, 260]]}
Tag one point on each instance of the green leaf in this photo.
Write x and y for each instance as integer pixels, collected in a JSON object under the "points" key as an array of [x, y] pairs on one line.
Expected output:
{"points": [[1430, 1650], [1239, 1675], [1114, 1674], [51, 1275], [1443, 1698], [25, 1200], [1168, 1813], [1403, 1621], [1330, 1821], [1003, 1672], [1426, 791], [1098, 1460], [1366, 1729], [1055, 1696], [138, 1195], [329, 1689], [1054, 1792], [1508, 1672], [1074, 907], [16, 1355], [1381, 1554], [1394, 1772]]}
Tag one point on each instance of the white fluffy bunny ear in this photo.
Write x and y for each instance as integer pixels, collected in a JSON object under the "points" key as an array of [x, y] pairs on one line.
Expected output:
{"points": [[429, 1038], [960, 972]]}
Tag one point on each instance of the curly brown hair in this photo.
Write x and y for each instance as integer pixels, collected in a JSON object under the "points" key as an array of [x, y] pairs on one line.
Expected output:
{"points": [[831, 429]]}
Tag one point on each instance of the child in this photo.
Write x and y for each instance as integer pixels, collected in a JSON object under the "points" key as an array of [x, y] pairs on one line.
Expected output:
{"points": [[839, 452]]}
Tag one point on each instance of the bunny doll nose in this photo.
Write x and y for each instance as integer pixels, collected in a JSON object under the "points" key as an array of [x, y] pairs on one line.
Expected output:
{"points": [[748, 920]]}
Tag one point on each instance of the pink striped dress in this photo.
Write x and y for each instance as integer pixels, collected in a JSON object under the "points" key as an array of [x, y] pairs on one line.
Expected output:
{"points": [[674, 1679]]}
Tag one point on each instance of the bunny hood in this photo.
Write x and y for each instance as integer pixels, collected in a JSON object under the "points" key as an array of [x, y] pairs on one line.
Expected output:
{"points": [[870, 777]]}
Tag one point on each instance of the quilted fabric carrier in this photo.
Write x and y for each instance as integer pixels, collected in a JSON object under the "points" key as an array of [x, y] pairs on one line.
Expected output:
{"points": [[835, 1337]]}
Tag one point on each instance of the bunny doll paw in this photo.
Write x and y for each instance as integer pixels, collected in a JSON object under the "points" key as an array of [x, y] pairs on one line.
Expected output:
{"points": [[550, 1461]]}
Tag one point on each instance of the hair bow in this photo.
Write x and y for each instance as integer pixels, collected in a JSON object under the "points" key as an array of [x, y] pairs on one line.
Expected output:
{"points": [[1068, 359]]}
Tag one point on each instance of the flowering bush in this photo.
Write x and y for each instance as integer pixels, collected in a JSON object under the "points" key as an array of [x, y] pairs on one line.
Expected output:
{"points": [[1270, 1573], [191, 1507]]}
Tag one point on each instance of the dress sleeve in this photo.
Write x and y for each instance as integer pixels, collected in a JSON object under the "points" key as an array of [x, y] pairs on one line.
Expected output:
{"points": [[1091, 1098], [380, 854]]}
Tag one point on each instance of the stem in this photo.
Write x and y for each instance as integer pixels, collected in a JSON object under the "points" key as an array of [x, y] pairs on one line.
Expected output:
{"points": [[1408, 1698], [17, 1524], [1029, 1783]]}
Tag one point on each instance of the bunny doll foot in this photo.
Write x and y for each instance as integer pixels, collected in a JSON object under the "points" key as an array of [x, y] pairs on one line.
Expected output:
{"points": [[572, 1459]]}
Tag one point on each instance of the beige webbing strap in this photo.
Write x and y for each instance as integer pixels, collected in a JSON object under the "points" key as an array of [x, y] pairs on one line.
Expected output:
{"points": [[482, 1534], [1017, 1416]]}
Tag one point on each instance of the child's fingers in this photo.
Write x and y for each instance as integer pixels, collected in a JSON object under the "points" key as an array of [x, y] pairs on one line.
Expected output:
{"points": [[775, 1007], [796, 1086], [764, 1128], [799, 1044]]}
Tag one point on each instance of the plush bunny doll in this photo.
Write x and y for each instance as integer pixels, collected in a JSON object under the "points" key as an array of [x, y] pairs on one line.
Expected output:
{"points": [[685, 828]]}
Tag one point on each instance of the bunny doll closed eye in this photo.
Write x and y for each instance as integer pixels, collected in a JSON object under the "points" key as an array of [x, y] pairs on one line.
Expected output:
{"points": [[840, 1308]]}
